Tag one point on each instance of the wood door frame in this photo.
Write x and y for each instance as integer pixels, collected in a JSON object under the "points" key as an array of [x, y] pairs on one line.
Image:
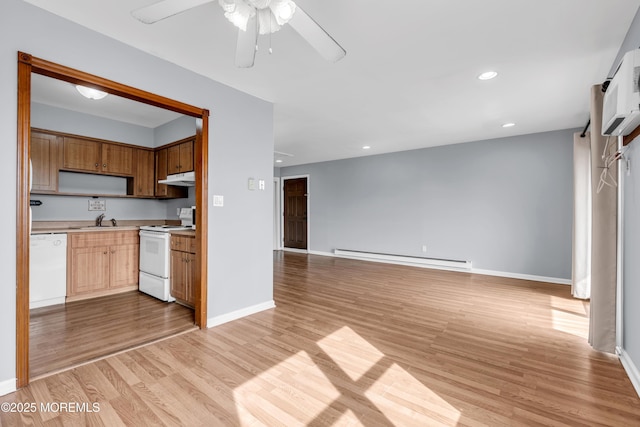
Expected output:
{"points": [[28, 64], [282, 180]]}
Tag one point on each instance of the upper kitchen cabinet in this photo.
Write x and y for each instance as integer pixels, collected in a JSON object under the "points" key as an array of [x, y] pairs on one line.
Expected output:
{"points": [[97, 157], [180, 157], [162, 167], [143, 182], [46, 150]]}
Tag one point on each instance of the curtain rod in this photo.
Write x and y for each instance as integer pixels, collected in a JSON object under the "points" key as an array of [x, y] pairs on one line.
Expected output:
{"points": [[584, 131]]}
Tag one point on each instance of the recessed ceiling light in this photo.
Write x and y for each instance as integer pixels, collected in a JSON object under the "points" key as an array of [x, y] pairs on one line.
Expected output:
{"points": [[279, 161], [488, 75], [508, 125], [366, 147]]}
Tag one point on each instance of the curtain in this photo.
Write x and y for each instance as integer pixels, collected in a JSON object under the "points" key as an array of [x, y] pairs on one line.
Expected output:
{"points": [[602, 324], [581, 263]]}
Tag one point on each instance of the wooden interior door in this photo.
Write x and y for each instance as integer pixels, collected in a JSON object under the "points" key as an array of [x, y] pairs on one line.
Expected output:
{"points": [[295, 213]]}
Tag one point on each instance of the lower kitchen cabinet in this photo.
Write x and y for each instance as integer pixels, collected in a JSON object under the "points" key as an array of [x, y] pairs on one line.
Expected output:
{"points": [[102, 262], [183, 264]]}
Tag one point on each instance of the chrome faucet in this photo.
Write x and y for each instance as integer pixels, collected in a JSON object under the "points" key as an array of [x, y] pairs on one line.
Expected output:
{"points": [[99, 220], [114, 222]]}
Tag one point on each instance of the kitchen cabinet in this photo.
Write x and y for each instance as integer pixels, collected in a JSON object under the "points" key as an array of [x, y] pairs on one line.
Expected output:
{"points": [[101, 263], [143, 182], [97, 157], [180, 157], [183, 268], [162, 166], [45, 160]]}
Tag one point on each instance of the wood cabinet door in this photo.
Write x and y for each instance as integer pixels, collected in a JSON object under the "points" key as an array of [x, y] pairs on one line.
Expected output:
{"points": [[123, 265], [89, 270], [173, 159], [190, 272], [180, 158], [178, 275], [144, 174], [117, 159], [163, 190], [81, 154], [186, 156], [161, 172], [45, 150]]}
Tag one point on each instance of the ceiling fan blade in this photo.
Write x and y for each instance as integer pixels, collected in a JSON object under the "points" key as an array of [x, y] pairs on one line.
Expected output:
{"points": [[164, 9], [316, 36], [247, 41]]}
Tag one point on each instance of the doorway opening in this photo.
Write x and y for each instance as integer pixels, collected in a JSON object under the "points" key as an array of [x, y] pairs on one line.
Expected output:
{"points": [[28, 65], [295, 209]]}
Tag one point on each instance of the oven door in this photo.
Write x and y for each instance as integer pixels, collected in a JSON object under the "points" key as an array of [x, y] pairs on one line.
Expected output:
{"points": [[154, 253]]}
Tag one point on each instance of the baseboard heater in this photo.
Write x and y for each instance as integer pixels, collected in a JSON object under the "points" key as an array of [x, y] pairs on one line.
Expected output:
{"points": [[444, 264]]}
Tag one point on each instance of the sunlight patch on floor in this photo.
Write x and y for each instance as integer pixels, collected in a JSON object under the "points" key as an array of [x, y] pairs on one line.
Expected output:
{"points": [[353, 354], [407, 401], [270, 395], [570, 316]]}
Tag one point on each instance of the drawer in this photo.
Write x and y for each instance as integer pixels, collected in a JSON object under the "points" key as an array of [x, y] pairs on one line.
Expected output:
{"points": [[103, 238], [183, 244]]}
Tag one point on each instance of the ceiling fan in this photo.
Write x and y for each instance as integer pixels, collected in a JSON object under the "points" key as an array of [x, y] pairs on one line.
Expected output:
{"points": [[253, 17]]}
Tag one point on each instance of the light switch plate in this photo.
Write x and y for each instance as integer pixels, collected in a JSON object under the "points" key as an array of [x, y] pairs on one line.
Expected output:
{"points": [[252, 184]]}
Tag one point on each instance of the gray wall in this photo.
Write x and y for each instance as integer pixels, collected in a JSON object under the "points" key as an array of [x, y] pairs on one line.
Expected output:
{"points": [[61, 120], [175, 130], [504, 204], [631, 230], [240, 274]]}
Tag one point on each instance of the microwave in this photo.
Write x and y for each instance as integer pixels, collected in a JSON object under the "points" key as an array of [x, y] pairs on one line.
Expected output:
{"points": [[188, 217]]}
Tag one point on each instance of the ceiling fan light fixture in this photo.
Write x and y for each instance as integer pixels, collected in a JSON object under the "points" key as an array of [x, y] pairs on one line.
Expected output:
{"points": [[283, 10], [237, 12], [90, 93], [272, 14]]}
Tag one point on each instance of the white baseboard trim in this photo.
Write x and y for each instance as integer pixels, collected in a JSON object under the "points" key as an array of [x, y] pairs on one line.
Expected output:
{"points": [[631, 368], [473, 270], [237, 314], [8, 386], [545, 279], [405, 260], [299, 251]]}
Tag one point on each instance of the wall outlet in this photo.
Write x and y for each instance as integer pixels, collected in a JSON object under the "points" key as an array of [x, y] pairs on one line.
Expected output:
{"points": [[424, 248], [97, 205], [261, 184], [252, 184], [218, 201]]}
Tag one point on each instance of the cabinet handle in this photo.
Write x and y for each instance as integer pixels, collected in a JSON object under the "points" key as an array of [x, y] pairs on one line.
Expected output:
{"points": [[96, 165], [104, 165], [106, 252]]}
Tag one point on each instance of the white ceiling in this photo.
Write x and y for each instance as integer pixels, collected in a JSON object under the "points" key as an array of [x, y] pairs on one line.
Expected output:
{"points": [[409, 78]]}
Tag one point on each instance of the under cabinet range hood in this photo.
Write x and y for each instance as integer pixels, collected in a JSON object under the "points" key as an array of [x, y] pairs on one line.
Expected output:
{"points": [[186, 179]]}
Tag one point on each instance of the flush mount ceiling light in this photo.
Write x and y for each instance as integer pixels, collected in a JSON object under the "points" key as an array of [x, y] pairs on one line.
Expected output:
{"points": [[488, 75], [90, 93], [279, 161], [366, 147], [508, 125], [253, 17]]}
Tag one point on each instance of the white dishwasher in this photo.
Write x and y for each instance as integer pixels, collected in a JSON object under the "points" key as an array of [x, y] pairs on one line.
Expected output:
{"points": [[47, 270]]}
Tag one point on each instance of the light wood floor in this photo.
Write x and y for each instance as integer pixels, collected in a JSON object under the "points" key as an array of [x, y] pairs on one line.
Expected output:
{"points": [[65, 335], [357, 343]]}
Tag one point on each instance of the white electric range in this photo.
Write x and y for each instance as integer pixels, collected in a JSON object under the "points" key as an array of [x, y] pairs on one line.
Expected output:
{"points": [[155, 263]]}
